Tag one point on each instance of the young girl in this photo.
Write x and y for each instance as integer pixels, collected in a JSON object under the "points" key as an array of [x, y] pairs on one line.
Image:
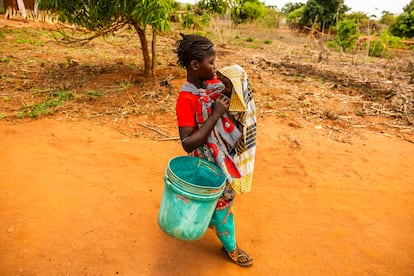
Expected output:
{"points": [[207, 130]]}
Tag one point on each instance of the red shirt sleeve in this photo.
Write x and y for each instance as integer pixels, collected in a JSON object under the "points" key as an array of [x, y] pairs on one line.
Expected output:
{"points": [[185, 109]]}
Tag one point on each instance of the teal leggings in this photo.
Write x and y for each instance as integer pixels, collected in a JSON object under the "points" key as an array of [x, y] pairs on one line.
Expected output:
{"points": [[223, 224]]}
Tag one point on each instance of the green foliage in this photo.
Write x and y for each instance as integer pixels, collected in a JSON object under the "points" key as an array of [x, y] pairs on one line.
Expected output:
{"points": [[93, 93], [4, 59], [380, 47], [250, 39], [270, 18], [290, 7], [175, 5], [105, 17], [332, 44], [188, 20], [213, 6], [267, 41], [244, 10], [56, 99], [388, 18], [404, 24], [322, 12], [204, 19], [346, 33], [193, 21], [293, 18]]}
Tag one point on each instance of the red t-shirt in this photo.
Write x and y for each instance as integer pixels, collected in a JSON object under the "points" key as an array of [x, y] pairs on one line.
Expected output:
{"points": [[186, 107]]}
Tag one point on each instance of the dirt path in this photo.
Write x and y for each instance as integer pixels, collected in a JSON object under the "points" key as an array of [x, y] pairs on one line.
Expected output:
{"points": [[82, 199]]}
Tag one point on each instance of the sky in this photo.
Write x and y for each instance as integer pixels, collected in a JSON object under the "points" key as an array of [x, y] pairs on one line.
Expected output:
{"points": [[370, 7]]}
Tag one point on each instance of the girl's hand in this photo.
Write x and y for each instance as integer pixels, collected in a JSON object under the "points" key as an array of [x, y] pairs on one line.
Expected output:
{"points": [[221, 105]]}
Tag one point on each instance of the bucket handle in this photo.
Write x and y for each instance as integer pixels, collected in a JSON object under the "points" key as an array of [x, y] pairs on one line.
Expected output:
{"points": [[209, 165]]}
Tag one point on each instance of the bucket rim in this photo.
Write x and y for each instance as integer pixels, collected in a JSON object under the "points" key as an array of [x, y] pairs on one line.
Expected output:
{"points": [[206, 162]]}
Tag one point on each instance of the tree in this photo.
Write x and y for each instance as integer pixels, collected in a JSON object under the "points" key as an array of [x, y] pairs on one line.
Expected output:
{"points": [[213, 6], [404, 24], [243, 10], [290, 7], [293, 18], [346, 33], [323, 13], [388, 18], [103, 17]]}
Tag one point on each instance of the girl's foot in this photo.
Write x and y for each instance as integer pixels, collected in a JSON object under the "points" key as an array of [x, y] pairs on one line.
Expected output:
{"points": [[240, 257]]}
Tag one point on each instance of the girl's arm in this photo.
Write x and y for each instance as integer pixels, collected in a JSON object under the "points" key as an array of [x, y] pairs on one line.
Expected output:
{"points": [[191, 139]]}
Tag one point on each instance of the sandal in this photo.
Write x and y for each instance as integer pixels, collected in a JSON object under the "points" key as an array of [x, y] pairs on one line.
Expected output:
{"points": [[240, 257]]}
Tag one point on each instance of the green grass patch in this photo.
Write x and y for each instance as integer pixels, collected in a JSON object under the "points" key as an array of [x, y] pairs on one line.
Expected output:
{"points": [[49, 106], [28, 41], [93, 93]]}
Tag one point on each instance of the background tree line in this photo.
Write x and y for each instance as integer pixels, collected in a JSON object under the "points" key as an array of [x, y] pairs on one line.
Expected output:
{"points": [[105, 17]]}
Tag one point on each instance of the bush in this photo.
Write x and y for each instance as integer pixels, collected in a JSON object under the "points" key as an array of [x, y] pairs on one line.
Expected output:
{"points": [[404, 25], [187, 20], [380, 47], [247, 10], [346, 33], [270, 19]]}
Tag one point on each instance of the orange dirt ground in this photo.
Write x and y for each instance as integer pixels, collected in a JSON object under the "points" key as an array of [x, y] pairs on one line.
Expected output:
{"points": [[82, 199]]}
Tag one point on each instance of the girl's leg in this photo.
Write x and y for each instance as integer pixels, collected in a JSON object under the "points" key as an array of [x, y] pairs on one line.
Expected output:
{"points": [[223, 224]]}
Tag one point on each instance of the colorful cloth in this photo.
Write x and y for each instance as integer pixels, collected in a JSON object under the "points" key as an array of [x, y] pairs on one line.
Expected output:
{"points": [[243, 109], [231, 148]]}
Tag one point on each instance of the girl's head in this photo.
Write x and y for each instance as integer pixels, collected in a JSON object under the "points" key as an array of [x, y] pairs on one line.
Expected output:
{"points": [[197, 54]]}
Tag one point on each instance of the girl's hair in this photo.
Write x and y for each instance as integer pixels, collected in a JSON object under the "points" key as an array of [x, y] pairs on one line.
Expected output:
{"points": [[192, 47]]}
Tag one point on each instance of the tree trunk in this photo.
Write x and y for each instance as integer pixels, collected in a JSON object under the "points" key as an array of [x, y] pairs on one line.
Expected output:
{"points": [[144, 49], [22, 9], [154, 50]]}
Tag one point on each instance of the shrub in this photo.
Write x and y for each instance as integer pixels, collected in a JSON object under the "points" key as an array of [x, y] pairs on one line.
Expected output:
{"points": [[380, 47], [346, 33]]}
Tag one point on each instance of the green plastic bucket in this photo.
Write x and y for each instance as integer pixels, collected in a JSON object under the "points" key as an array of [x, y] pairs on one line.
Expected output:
{"points": [[192, 189]]}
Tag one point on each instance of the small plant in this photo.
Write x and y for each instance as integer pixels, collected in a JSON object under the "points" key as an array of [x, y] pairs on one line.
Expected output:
{"points": [[267, 41], [2, 115], [188, 20], [28, 41], [237, 37], [6, 99], [250, 39], [205, 19], [94, 93], [4, 59], [347, 33], [56, 98], [125, 85], [332, 44], [380, 47]]}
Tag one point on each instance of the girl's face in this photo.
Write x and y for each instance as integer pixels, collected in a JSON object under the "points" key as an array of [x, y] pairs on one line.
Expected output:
{"points": [[207, 68], [227, 83]]}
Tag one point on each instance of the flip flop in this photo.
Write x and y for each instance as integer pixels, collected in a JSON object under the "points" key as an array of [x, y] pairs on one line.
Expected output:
{"points": [[237, 256]]}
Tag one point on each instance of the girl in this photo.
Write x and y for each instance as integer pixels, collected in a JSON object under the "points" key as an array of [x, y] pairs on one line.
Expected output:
{"points": [[207, 130]]}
